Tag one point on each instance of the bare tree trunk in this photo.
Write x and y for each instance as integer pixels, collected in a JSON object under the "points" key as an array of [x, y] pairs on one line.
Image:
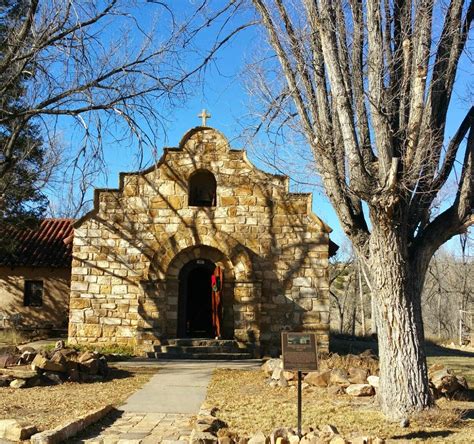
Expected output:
{"points": [[361, 294], [341, 322], [397, 288], [373, 321]]}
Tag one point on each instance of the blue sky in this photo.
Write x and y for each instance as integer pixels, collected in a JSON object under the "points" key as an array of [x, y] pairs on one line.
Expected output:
{"points": [[224, 95]]}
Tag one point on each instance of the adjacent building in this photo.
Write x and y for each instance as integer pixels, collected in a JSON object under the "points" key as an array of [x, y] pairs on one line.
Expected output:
{"points": [[35, 276]]}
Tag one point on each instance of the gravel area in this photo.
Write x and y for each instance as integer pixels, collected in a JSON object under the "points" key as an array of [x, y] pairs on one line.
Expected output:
{"points": [[49, 407]]}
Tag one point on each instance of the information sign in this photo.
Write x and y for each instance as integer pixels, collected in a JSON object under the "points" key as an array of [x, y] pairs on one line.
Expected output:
{"points": [[299, 351]]}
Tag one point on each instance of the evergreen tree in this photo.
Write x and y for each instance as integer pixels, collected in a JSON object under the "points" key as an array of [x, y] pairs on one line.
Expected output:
{"points": [[22, 153]]}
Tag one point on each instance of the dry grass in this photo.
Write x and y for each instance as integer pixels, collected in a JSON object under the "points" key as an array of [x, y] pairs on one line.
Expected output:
{"points": [[248, 405], [48, 407]]}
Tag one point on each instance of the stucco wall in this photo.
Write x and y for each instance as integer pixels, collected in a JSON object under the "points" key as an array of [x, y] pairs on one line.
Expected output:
{"points": [[56, 288], [128, 252]]}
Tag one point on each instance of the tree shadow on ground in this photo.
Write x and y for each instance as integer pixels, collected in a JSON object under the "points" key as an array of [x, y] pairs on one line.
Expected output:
{"points": [[425, 434], [433, 349], [347, 344], [98, 427]]}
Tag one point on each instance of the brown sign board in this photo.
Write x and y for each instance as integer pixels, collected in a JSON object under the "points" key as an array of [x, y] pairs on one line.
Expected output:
{"points": [[299, 351]]}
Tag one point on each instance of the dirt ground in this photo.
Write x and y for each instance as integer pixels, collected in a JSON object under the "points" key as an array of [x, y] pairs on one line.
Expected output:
{"points": [[49, 407], [248, 404]]}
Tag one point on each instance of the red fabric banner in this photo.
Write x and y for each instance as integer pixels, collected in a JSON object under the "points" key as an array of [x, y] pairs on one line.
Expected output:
{"points": [[217, 281]]}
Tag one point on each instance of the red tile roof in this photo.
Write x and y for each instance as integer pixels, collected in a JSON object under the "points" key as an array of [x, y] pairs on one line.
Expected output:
{"points": [[50, 245]]}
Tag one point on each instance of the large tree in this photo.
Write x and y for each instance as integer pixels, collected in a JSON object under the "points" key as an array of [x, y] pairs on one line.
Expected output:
{"points": [[369, 83]]}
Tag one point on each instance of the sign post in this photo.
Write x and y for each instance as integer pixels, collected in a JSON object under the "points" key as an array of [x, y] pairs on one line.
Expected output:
{"points": [[300, 355]]}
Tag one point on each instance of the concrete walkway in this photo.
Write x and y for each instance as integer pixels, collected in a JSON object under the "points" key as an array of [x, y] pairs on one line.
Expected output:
{"points": [[163, 409]]}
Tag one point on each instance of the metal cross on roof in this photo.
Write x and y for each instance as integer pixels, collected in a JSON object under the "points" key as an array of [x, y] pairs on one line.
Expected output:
{"points": [[204, 116]]}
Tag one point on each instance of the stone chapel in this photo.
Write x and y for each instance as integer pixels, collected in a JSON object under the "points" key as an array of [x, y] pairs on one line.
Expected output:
{"points": [[145, 258]]}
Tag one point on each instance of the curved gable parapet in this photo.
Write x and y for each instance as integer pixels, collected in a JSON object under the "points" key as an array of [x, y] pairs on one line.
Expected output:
{"points": [[204, 140], [204, 148]]}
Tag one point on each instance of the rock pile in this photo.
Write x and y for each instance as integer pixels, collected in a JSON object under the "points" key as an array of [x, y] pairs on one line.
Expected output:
{"points": [[352, 374], [357, 375], [22, 368], [444, 383], [327, 434]]}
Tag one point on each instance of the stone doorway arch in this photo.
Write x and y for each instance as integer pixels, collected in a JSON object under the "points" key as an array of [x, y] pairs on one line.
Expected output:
{"points": [[195, 299], [177, 292]]}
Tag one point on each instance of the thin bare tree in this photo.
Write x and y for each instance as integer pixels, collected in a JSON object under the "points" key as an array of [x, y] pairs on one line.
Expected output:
{"points": [[104, 70], [369, 83]]}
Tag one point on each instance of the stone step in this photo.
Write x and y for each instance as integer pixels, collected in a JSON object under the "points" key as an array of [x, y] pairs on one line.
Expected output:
{"points": [[202, 356], [204, 342], [198, 349]]}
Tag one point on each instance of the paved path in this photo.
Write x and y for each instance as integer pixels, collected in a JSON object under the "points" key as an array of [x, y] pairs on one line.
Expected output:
{"points": [[163, 409]]}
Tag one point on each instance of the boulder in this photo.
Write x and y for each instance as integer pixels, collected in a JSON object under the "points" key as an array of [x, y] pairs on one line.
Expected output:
{"points": [[34, 382], [9, 350], [434, 368], [90, 366], [86, 356], [5, 381], [289, 376], [278, 436], [327, 433], [328, 428], [358, 375], [59, 345], [373, 381], [276, 374], [335, 390], [198, 437], [14, 430], [258, 438], [209, 423], [310, 438], [43, 363], [18, 383], [319, 379], [368, 353], [338, 439], [339, 377], [8, 359], [360, 390], [293, 439], [54, 377], [446, 384], [271, 365], [18, 372], [27, 356]]}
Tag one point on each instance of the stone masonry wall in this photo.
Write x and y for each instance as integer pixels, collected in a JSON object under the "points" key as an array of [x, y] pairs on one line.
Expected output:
{"points": [[129, 250]]}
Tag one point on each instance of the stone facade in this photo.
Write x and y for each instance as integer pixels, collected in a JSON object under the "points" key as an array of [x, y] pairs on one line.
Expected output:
{"points": [[129, 253]]}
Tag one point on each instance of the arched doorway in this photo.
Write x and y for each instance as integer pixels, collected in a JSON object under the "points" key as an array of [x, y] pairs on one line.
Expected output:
{"points": [[195, 299]]}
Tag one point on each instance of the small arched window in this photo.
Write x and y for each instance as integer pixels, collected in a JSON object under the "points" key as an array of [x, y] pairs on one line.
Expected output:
{"points": [[202, 189]]}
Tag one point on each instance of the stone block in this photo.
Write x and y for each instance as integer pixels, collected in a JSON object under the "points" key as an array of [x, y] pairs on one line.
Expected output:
{"points": [[111, 321], [14, 430], [79, 303], [76, 316]]}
